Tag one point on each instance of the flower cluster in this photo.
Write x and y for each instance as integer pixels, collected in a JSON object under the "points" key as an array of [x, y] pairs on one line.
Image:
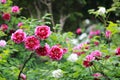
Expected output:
{"points": [[81, 48], [6, 16], [94, 33], [33, 42], [95, 55]]}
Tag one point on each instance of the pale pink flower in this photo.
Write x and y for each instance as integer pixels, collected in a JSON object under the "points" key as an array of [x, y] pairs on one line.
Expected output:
{"points": [[15, 9], [42, 32], [23, 76], [56, 53], [31, 43], [2, 43], [43, 51], [96, 53], [108, 34], [20, 24], [3, 1], [90, 58], [97, 75], [93, 33], [18, 36], [79, 48]]}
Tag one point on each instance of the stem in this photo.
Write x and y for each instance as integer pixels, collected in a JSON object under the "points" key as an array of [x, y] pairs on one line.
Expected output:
{"points": [[25, 64]]}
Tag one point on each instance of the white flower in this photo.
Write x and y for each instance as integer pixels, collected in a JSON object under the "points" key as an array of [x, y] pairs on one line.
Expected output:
{"points": [[74, 41], [57, 73], [101, 10], [82, 36], [73, 57], [2, 43], [87, 21]]}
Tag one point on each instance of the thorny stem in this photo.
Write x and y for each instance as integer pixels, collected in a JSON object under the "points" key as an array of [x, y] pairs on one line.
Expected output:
{"points": [[25, 64]]}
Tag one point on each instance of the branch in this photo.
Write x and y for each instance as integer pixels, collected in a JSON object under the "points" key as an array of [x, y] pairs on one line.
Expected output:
{"points": [[25, 64]]}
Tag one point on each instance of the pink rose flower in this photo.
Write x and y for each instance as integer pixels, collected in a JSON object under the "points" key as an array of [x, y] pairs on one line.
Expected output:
{"points": [[31, 43], [4, 27], [18, 36], [118, 51], [96, 53], [20, 24], [79, 31], [90, 58], [43, 51], [6, 16], [3, 1], [2, 43], [42, 32], [15, 9], [97, 75], [56, 53], [23, 76], [108, 34]]}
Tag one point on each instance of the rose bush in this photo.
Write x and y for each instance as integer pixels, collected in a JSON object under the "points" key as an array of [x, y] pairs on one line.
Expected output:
{"points": [[31, 50]]}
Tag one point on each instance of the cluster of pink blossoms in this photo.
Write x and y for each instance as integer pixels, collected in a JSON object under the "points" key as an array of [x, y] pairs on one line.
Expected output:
{"points": [[81, 48], [94, 33], [33, 42], [7, 16], [95, 55]]}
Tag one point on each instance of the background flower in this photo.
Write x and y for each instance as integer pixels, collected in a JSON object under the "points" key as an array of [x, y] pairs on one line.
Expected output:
{"points": [[57, 73], [73, 57], [2, 43]]}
